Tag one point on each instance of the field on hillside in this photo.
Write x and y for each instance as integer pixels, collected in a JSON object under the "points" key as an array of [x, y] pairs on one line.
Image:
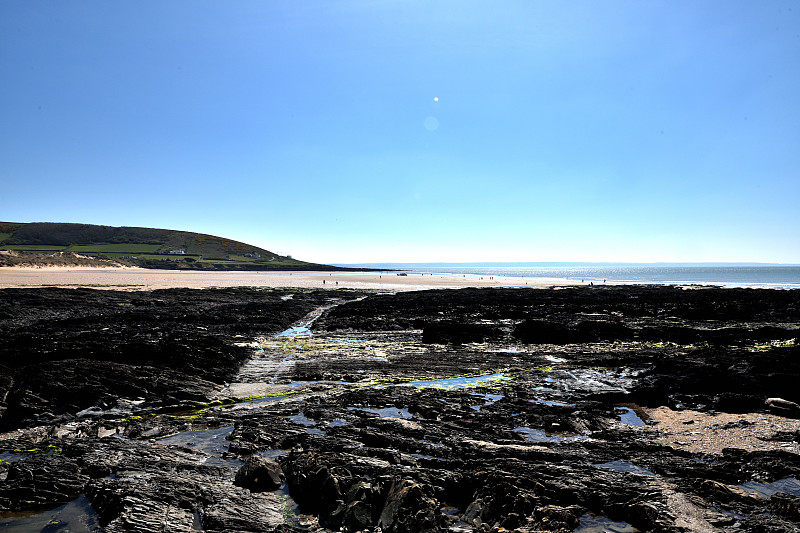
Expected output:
{"points": [[43, 243]]}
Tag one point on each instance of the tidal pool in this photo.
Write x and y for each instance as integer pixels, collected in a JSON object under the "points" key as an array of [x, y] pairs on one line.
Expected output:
{"points": [[295, 331], [629, 416], [457, 382], [625, 466], [272, 453], [539, 435], [303, 420], [212, 442], [386, 412], [9, 457], [76, 516], [553, 403], [489, 399], [789, 485]]}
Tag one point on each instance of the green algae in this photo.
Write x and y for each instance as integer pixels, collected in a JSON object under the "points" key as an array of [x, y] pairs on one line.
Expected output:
{"points": [[492, 378], [47, 450]]}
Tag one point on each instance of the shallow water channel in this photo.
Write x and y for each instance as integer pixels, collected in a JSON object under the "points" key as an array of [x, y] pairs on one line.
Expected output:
{"points": [[452, 383], [212, 442], [76, 516]]}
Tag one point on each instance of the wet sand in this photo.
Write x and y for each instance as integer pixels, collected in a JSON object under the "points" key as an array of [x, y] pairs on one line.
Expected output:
{"points": [[704, 432], [145, 279]]}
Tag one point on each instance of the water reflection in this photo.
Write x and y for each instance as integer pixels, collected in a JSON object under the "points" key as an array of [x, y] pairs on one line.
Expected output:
{"points": [[76, 516], [212, 442], [789, 485]]}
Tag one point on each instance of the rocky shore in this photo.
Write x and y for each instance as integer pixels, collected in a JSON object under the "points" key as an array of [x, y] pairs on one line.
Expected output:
{"points": [[627, 408]]}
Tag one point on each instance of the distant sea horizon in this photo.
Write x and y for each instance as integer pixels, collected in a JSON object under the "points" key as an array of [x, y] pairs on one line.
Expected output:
{"points": [[757, 275]]}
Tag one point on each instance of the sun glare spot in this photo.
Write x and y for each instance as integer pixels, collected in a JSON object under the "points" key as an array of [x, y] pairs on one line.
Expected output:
{"points": [[435, 98]]}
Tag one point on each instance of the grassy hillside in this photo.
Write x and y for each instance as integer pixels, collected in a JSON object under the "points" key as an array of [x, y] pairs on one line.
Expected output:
{"points": [[145, 247]]}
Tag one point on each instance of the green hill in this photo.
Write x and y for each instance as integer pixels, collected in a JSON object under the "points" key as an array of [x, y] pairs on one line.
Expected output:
{"points": [[144, 247]]}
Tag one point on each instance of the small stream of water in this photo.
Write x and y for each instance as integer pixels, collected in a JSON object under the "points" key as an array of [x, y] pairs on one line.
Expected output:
{"points": [[76, 516]]}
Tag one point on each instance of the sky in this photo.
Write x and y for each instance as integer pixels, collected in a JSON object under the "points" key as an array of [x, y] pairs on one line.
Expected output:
{"points": [[412, 131]]}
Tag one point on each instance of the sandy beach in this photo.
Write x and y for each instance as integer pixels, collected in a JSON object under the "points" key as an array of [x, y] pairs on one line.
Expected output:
{"points": [[145, 279]]}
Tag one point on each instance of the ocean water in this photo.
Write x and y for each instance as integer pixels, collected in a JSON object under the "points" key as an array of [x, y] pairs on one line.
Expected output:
{"points": [[723, 274]]}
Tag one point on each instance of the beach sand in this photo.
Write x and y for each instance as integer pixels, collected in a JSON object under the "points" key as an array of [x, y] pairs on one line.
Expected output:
{"points": [[147, 279]]}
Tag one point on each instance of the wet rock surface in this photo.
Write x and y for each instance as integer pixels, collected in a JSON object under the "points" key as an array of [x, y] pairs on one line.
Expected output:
{"points": [[64, 351], [467, 410]]}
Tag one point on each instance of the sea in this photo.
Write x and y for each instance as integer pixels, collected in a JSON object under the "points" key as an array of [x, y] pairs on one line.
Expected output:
{"points": [[756, 275]]}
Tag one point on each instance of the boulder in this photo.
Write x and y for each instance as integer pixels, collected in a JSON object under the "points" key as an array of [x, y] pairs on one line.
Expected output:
{"points": [[458, 333], [409, 508], [783, 407], [259, 474], [544, 332]]}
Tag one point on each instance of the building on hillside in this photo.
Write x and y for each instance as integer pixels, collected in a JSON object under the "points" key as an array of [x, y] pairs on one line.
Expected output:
{"points": [[179, 251]]}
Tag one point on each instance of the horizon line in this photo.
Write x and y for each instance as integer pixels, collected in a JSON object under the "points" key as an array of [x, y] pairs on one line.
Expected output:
{"points": [[570, 263]]}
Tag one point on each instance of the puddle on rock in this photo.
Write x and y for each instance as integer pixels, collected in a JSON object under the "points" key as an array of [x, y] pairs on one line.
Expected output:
{"points": [[539, 435], [303, 420], [212, 442], [9, 457], [600, 524], [625, 466], [628, 416], [289, 507], [386, 412], [272, 453], [294, 332], [489, 399], [553, 403], [789, 485], [76, 516]]}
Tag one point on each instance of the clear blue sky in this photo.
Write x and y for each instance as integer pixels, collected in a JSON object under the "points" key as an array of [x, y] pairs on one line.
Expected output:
{"points": [[563, 131]]}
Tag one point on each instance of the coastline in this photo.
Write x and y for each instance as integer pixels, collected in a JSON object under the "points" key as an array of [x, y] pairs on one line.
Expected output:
{"points": [[147, 279]]}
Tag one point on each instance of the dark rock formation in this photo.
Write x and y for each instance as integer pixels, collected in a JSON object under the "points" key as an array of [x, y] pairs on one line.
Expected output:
{"points": [[259, 474], [455, 333], [108, 395]]}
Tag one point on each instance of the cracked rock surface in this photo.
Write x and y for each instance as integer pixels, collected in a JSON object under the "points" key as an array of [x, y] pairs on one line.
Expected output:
{"points": [[574, 409]]}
